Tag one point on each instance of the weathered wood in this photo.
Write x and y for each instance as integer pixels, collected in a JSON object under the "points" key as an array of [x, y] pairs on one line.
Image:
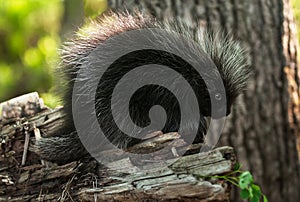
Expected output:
{"points": [[21, 106], [183, 180], [187, 178], [179, 181]]}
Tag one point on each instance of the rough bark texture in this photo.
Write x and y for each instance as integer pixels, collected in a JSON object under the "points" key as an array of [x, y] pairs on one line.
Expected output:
{"points": [[23, 177], [264, 125]]}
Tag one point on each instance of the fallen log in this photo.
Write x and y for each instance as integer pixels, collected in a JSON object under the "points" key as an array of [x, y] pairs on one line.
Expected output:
{"points": [[24, 178]]}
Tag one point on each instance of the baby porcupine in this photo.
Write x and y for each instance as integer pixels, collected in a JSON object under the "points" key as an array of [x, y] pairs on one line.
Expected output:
{"points": [[228, 55]]}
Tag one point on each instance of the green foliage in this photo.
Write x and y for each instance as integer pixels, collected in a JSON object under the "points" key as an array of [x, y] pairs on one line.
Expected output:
{"points": [[243, 180], [249, 189], [93, 8], [29, 41]]}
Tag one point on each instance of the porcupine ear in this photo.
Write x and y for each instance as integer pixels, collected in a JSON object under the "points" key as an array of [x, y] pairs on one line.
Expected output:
{"points": [[230, 57]]}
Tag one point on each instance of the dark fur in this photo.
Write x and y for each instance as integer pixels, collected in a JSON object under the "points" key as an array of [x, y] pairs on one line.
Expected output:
{"points": [[228, 55]]}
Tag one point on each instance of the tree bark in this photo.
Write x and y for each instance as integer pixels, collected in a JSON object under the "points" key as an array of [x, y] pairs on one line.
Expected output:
{"points": [[73, 17], [264, 124]]}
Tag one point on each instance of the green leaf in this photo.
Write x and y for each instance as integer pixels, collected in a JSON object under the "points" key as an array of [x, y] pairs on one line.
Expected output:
{"points": [[250, 192], [254, 199], [244, 194], [256, 190], [245, 180], [265, 198]]}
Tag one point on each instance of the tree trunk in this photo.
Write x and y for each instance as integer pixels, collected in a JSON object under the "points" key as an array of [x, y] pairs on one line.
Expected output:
{"points": [[264, 124], [73, 17]]}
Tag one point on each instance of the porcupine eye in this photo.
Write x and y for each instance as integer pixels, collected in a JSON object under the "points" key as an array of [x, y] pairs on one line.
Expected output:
{"points": [[218, 96]]}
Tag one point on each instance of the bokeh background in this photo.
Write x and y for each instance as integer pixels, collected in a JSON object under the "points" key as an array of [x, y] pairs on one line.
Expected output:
{"points": [[31, 34]]}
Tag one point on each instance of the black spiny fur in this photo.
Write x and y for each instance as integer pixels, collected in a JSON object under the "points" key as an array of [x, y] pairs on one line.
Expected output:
{"points": [[228, 55]]}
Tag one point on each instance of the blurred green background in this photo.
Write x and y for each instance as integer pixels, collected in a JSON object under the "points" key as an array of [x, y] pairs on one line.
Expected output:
{"points": [[31, 32], [296, 7]]}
